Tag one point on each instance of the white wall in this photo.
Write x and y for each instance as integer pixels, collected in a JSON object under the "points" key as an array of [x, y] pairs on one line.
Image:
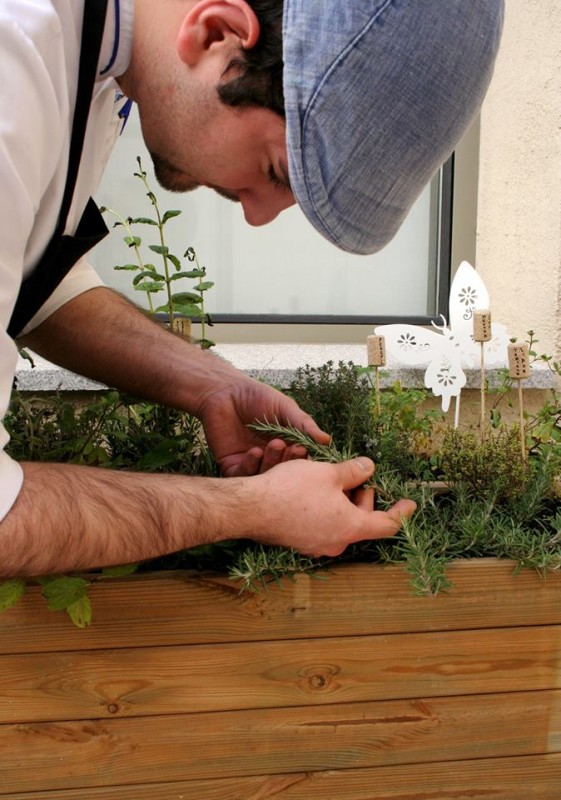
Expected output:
{"points": [[519, 206]]}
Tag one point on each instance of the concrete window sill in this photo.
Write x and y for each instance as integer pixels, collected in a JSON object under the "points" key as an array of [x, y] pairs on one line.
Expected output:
{"points": [[274, 363]]}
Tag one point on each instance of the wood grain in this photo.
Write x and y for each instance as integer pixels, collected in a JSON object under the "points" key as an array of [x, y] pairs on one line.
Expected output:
{"points": [[192, 679], [352, 600], [57, 756], [524, 778]]}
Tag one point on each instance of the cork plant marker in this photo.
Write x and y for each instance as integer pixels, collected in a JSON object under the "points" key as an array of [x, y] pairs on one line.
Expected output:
{"points": [[482, 333], [376, 348], [519, 369]]}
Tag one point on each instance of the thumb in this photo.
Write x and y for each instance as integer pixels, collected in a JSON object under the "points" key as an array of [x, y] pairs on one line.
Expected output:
{"points": [[354, 473]]}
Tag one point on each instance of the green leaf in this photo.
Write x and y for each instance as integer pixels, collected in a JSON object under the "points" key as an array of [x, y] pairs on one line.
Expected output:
{"points": [[204, 285], [169, 215], [10, 592], [160, 249], [80, 612], [119, 571], [147, 274], [178, 275], [188, 310], [175, 261], [149, 286], [127, 266], [143, 221], [162, 455], [131, 241], [186, 297], [195, 273], [62, 591]]}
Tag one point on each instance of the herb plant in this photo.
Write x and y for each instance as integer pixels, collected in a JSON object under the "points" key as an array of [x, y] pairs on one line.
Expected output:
{"points": [[151, 281], [494, 503]]}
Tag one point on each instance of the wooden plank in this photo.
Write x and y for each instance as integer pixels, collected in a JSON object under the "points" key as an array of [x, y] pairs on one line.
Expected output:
{"points": [[521, 778], [193, 679], [56, 756], [352, 600]]}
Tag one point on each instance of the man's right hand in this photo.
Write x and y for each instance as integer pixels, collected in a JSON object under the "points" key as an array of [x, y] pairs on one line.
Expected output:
{"points": [[319, 509]]}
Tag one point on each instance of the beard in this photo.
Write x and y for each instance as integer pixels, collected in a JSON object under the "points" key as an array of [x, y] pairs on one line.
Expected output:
{"points": [[171, 178]]}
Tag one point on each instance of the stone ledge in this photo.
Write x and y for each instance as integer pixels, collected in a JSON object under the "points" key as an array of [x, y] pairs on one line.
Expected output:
{"points": [[273, 363]]}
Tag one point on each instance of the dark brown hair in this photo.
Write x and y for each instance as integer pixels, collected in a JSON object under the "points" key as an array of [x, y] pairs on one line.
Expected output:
{"points": [[258, 80]]}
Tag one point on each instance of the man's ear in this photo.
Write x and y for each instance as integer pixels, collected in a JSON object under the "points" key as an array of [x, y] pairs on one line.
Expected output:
{"points": [[214, 22]]}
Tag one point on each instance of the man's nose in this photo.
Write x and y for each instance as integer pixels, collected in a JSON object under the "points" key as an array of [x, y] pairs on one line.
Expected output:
{"points": [[259, 210]]}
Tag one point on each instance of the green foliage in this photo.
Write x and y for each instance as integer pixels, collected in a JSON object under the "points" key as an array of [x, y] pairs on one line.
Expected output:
{"points": [[257, 566], [496, 503], [112, 430], [338, 398], [68, 593], [341, 400], [148, 279], [490, 468], [10, 592]]}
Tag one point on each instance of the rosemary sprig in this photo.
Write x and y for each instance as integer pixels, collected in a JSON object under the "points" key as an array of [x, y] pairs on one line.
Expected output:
{"points": [[318, 452]]}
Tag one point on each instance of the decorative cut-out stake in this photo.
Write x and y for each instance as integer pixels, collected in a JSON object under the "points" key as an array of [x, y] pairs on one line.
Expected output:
{"points": [[376, 348], [445, 350], [519, 369], [482, 332]]}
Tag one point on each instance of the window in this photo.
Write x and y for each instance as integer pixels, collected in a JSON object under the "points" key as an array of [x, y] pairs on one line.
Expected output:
{"points": [[285, 272]]}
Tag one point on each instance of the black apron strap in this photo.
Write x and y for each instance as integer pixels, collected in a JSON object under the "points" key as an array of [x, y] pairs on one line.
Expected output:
{"points": [[64, 251]]}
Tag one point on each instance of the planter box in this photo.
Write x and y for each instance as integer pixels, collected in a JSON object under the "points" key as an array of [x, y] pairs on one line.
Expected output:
{"points": [[348, 688]]}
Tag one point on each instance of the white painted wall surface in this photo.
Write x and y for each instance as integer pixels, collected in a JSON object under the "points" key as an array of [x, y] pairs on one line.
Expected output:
{"points": [[519, 204]]}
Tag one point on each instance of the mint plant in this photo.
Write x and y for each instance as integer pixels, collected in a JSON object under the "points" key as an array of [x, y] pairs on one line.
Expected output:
{"points": [[152, 280]]}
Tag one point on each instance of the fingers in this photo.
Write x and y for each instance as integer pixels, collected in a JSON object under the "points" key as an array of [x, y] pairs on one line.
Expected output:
{"points": [[353, 473], [309, 426], [259, 459], [363, 498]]}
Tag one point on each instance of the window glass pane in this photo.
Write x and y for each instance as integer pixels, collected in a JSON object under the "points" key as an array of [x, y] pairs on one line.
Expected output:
{"points": [[284, 268]]}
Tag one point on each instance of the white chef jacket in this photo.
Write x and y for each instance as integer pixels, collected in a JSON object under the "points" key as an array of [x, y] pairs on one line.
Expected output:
{"points": [[39, 54]]}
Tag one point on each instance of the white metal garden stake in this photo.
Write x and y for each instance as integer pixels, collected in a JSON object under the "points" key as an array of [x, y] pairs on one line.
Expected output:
{"points": [[519, 368], [376, 348], [482, 333]]}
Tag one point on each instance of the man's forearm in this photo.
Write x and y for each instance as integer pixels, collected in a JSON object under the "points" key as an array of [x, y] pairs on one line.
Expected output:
{"points": [[71, 518], [101, 335]]}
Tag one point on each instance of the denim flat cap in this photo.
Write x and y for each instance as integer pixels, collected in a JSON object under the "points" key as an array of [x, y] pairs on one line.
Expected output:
{"points": [[377, 95]]}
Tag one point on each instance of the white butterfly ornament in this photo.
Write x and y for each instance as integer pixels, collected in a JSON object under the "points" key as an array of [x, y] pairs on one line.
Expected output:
{"points": [[447, 350]]}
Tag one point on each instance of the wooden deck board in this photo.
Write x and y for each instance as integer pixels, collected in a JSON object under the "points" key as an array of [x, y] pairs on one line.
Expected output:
{"points": [[485, 595], [192, 679], [524, 778], [57, 756]]}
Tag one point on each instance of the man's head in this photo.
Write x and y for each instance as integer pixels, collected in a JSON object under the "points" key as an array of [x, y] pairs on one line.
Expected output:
{"points": [[376, 94], [207, 78]]}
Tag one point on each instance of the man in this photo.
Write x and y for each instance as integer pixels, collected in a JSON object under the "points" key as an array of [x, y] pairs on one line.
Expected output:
{"points": [[375, 95]]}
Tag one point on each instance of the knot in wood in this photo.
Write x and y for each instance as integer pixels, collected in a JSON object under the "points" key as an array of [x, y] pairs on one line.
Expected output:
{"points": [[319, 678]]}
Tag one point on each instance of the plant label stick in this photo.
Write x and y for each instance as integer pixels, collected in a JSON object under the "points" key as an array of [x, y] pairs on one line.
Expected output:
{"points": [[482, 333], [376, 348], [519, 369]]}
